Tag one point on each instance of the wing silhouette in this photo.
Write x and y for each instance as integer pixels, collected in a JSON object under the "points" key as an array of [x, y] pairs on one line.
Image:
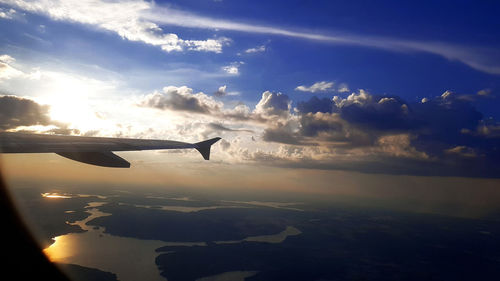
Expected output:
{"points": [[92, 150]]}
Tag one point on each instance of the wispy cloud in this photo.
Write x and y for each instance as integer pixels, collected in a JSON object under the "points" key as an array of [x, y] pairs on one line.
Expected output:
{"points": [[482, 59], [343, 88], [7, 71], [258, 49], [140, 21], [322, 86], [122, 17]]}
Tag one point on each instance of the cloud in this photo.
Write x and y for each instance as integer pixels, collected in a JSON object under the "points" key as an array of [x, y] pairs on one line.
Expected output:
{"points": [[444, 136], [488, 128], [125, 18], [322, 86], [240, 112], [181, 99], [273, 105], [484, 92], [233, 68], [482, 59], [462, 151], [297, 158], [258, 49], [320, 129], [220, 127], [16, 111], [381, 113], [343, 88], [7, 13], [7, 71], [314, 104], [437, 123], [141, 20], [7, 59], [221, 91], [282, 135]]}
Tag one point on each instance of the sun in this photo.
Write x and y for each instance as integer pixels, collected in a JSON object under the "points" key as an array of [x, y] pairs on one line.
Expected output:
{"points": [[75, 100]]}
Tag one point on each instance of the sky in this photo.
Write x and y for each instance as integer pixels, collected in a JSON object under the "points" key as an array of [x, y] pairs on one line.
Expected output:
{"points": [[376, 90]]}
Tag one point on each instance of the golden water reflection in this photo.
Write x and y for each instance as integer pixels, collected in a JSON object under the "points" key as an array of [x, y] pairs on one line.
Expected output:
{"points": [[55, 195], [130, 259]]}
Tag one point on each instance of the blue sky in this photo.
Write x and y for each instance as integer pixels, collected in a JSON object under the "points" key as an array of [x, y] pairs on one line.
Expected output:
{"points": [[402, 74]]}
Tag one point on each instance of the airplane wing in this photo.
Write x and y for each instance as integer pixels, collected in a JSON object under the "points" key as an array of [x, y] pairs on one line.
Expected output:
{"points": [[92, 150]]}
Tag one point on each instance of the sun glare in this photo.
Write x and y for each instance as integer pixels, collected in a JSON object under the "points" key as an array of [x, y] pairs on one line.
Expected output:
{"points": [[73, 99]]}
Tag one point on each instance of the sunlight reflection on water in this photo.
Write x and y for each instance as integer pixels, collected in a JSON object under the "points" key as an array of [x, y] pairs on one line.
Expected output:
{"points": [[130, 259], [134, 259]]}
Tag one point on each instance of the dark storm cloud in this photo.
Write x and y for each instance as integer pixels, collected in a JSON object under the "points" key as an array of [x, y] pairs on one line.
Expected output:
{"points": [[312, 128], [444, 122], [314, 104], [447, 120], [332, 128], [16, 111], [314, 124], [445, 135], [385, 113]]}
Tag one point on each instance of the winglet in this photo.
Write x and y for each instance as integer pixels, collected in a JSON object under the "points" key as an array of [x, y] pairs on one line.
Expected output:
{"points": [[204, 147]]}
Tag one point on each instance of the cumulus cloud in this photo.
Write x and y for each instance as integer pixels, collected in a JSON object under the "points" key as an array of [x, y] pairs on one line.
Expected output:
{"points": [[445, 132], [285, 132], [273, 105], [221, 91], [125, 18], [385, 113], [322, 86], [443, 136], [315, 104], [181, 99], [240, 112]]}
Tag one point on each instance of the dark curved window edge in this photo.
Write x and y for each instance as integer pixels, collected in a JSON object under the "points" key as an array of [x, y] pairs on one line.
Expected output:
{"points": [[21, 255]]}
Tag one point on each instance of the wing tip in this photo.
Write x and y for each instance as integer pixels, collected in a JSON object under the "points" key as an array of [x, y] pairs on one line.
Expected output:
{"points": [[204, 147]]}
